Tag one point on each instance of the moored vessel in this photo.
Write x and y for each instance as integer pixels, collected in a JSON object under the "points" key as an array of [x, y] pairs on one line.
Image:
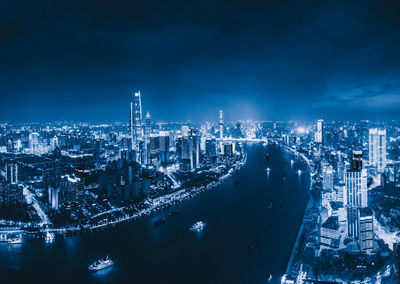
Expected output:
{"points": [[198, 226], [15, 241], [101, 264]]}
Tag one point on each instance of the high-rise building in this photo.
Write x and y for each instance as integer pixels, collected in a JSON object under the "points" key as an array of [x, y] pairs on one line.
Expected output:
{"points": [[356, 194], [136, 125], [211, 148], [185, 130], [229, 149], [147, 131], [12, 173], [10, 194], [71, 188], [330, 233], [221, 125], [184, 147], [221, 132], [164, 146], [53, 197], [366, 230], [131, 133], [195, 156], [377, 149], [341, 169], [327, 176], [34, 142], [319, 132], [138, 122]]}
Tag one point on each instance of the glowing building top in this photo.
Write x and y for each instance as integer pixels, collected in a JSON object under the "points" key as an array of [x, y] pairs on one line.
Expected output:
{"points": [[221, 125], [377, 149]]}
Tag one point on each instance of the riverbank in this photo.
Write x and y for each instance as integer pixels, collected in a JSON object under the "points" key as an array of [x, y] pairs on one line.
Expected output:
{"points": [[152, 205], [308, 207], [168, 200]]}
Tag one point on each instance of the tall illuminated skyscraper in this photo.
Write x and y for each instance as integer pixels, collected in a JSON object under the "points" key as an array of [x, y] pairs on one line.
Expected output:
{"points": [[377, 149], [221, 126], [34, 142], [221, 132], [356, 194], [164, 146], [131, 134], [138, 122], [341, 169], [327, 176], [147, 131], [195, 155], [320, 131], [12, 173], [136, 126]]}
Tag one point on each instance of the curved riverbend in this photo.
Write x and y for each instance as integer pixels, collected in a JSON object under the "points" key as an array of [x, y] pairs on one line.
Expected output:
{"points": [[243, 241]]}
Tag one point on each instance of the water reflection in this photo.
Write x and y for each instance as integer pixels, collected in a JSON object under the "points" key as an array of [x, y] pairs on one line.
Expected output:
{"points": [[14, 254]]}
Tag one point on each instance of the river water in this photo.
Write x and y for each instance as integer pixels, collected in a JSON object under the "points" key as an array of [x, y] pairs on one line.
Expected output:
{"points": [[236, 215]]}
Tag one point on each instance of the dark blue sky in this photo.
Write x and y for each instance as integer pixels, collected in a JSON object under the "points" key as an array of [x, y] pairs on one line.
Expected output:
{"points": [[272, 60]]}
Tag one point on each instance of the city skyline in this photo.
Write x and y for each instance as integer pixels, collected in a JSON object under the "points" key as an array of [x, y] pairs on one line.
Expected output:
{"points": [[200, 141]]}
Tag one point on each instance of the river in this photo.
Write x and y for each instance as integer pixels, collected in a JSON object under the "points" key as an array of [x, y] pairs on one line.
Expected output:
{"points": [[236, 216]]}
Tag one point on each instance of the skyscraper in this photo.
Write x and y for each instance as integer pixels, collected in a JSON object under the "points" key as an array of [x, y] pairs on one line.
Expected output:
{"points": [[319, 132], [147, 131], [53, 197], [12, 173], [211, 150], [221, 125], [185, 152], [377, 149], [341, 169], [356, 194], [136, 127], [138, 122], [221, 132], [327, 174], [10, 192], [131, 133], [366, 230], [34, 142], [195, 156], [164, 146]]}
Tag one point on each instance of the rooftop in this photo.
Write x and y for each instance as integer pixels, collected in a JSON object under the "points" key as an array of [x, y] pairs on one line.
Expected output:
{"points": [[331, 223]]}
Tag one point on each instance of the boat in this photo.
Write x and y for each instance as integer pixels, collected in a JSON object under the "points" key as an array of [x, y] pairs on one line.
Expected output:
{"points": [[174, 213], [270, 278], [299, 172], [284, 178], [198, 226], [291, 162], [159, 222], [268, 170], [267, 156], [49, 237], [101, 264], [269, 206], [15, 241]]}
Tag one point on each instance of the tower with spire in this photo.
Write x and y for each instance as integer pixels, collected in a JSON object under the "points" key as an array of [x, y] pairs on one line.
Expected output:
{"points": [[136, 125], [147, 131]]}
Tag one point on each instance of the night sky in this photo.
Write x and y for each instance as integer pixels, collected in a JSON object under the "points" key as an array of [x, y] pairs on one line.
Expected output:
{"points": [[269, 60]]}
